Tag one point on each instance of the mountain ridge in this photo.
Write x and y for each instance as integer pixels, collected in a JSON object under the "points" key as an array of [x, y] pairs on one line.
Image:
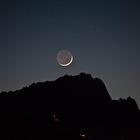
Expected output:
{"points": [[70, 107], [70, 79]]}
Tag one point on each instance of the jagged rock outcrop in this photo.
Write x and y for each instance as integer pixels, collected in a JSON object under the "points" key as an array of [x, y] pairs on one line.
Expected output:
{"points": [[64, 107]]}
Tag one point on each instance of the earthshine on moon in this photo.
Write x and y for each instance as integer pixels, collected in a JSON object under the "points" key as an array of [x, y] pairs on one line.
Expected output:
{"points": [[64, 58]]}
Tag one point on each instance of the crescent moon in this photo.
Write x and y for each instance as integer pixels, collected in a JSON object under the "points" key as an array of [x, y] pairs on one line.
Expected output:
{"points": [[64, 65], [64, 58]]}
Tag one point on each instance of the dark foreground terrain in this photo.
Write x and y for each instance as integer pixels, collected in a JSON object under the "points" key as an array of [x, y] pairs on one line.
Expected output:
{"points": [[69, 108]]}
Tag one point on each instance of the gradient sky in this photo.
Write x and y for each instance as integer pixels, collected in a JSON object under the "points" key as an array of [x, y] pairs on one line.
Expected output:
{"points": [[102, 35]]}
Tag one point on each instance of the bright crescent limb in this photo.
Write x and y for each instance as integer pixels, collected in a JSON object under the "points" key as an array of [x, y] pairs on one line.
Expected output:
{"points": [[64, 65]]}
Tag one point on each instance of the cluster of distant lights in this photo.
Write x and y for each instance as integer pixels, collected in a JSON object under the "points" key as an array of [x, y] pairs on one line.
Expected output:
{"points": [[82, 135], [56, 119]]}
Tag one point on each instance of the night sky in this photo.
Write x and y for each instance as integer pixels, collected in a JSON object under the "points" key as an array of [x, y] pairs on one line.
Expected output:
{"points": [[103, 36]]}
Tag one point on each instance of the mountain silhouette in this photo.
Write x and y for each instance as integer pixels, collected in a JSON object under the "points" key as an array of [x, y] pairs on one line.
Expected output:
{"points": [[71, 107]]}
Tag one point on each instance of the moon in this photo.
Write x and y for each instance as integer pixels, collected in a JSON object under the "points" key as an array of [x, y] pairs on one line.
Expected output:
{"points": [[64, 58]]}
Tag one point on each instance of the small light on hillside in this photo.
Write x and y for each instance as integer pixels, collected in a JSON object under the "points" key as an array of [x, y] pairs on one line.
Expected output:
{"points": [[83, 135]]}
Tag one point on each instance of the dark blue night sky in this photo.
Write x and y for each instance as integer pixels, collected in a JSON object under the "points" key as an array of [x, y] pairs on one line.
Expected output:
{"points": [[103, 36]]}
